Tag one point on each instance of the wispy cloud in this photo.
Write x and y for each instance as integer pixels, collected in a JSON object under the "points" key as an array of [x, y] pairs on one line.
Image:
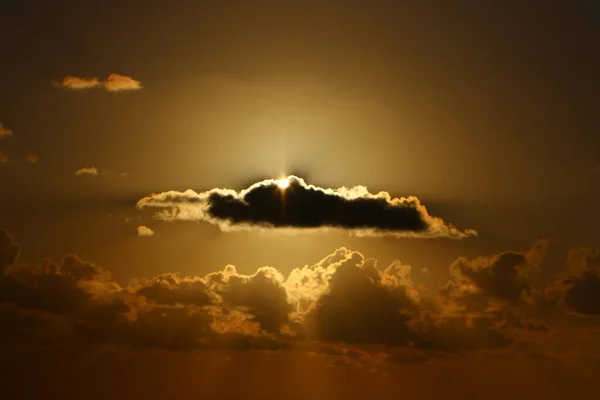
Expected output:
{"points": [[113, 83], [87, 171], [75, 82]]}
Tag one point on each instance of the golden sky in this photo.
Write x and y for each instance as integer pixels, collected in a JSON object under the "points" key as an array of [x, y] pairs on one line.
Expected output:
{"points": [[392, 194]]}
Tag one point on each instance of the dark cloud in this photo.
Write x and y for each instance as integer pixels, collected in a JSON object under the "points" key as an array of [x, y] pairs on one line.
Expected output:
{"points": [[500, 279], [291, 203], [170, 289], [359, 308], [580, 291]]}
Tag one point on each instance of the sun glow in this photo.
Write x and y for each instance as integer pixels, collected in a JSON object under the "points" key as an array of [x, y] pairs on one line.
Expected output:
{"points": [[283, 183]]}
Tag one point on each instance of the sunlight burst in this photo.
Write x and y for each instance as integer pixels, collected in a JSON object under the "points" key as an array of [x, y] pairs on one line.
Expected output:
{"points": [[283, 183]]}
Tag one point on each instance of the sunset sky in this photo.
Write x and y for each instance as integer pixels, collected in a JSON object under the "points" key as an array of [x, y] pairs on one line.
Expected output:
{"points": [[280, 199]]}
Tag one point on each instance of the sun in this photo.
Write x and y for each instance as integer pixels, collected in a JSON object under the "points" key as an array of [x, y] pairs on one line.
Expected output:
{"points": [[283, 183]]}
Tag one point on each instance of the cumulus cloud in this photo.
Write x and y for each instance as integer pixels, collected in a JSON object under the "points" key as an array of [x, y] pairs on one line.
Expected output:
{"points": [[113, 83], [501, 278], [144, 231], [343, 300], [5, 132], [578, 286], [93, 171], [293, 204]]}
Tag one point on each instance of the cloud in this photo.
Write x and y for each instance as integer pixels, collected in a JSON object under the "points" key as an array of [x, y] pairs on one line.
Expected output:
{"points": [[343, 300], [87, 171], [5, 132], [268, 205], [144, 231], [113, 83], [32, 158], [578, 286], [119, 83], [3, 158], [501, 278], [74, 82]]}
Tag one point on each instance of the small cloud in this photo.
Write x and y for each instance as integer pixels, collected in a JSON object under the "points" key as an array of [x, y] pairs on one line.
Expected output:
{"points": [[87, 171], [113, 83], [32, 158], [144, 231], [74, 82], [124, 174], [119, 83], [5, 132], [3, 158]]}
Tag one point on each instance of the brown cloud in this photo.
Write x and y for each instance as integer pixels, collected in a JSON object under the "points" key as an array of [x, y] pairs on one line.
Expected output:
{"points": [[5, 132], [291, 203], [343, 298], [3, 158], [113, 83], [578, 286]]}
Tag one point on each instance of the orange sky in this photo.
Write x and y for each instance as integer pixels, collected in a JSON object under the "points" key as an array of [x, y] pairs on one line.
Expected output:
{"points": [[484, 113]]}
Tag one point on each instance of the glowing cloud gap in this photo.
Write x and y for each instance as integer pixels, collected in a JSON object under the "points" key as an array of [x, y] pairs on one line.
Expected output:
{"points": [[291, 204]]}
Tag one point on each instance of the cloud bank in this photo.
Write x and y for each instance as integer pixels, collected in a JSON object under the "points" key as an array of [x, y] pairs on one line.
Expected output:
{"points": [[292, 203], [343, 298], [113, 83]]}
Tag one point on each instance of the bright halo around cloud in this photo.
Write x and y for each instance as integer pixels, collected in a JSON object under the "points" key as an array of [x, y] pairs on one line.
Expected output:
{"points": [[283, 183]]}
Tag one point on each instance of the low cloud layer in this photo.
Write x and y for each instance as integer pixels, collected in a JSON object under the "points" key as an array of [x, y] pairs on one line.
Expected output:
{"points": [[113, 83], [291, 203], [489, 303]]}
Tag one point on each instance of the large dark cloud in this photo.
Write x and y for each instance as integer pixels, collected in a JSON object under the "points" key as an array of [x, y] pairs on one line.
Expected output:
{"points": [[291, 203], [359, 308]]}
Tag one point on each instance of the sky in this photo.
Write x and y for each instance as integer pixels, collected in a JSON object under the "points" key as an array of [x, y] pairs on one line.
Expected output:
{"points": [[297, 195]]}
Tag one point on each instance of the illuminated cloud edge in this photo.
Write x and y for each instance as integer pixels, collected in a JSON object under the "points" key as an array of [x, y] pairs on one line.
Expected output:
{"points": [[296, 205]]}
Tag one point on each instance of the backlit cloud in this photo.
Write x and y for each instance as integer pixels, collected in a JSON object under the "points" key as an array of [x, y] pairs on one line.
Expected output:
{"points": [[291, 203], [144, 231], [93, 171], [113, 83], [5, 132], [343, 298]]}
